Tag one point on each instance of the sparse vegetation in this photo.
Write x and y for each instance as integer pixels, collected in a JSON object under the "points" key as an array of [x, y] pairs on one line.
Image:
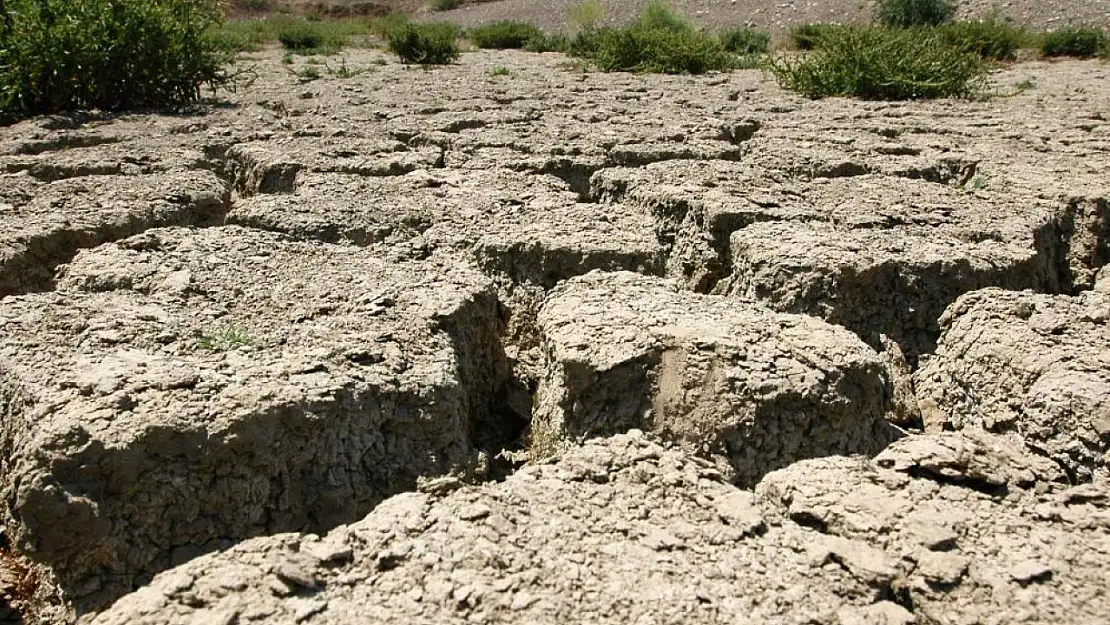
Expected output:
{"points": [[500, 71], [746, 41], [991, 38], [1077, 41], [660, 41], [504, 35], [883, 64], [58, 55], [225, 339], [301, 35], [343, 70], [913, 13], [434, 43]]}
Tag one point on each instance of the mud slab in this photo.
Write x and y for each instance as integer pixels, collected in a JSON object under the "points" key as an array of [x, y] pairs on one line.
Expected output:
{"points": [[908, 536], [1032, 367], [735, 380], [184, 389], [44, 225]]}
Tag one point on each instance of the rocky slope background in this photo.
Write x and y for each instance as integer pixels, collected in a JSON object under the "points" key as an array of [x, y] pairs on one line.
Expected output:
{"points": [[505, 341]]}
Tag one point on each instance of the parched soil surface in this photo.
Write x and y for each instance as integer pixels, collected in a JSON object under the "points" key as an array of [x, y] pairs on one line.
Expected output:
{"points": [[542, 346]]}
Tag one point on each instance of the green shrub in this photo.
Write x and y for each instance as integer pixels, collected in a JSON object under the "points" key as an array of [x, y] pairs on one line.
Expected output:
{"points": [[660, 41], [433, 43], [809, 36], [503, 35], [548, 43], [381, 26], [58, 55], [910, 13], [1075, 41], [990, 39], [883, 64], [745, 41]]}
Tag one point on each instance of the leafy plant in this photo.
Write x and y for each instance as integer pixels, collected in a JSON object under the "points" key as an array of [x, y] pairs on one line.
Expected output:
{"points": [[548, 43], [225, 339], [911, 13], [989, 39], [506, 34], [500, 71], [433, 43], [883, 64], [58, 55], [1078, 41], [810, 36], [660, 41], [745, 41]]}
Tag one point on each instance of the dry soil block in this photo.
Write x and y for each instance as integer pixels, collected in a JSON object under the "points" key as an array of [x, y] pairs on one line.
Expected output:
{"points": [[184, 389], [529, 228], [44, 225], [972, 529], [727, 377], [619, 531], [1034, 367], [874, 281]]}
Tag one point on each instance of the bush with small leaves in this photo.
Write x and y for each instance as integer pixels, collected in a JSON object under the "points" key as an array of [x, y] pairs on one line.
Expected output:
{"points": [[810, 36], [883, 64], [432, 43], [991, 39], [660, 41], [910, 13], [746, 41], [1078, 41], [59, 55], [548, 43], [504, 35]]}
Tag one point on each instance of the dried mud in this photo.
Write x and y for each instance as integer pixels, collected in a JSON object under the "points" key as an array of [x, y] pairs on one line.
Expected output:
{"points": [[538, 345]]}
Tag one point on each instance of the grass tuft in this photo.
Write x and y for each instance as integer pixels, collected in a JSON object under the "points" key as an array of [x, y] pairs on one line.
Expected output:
{"points": [[883, 64]]}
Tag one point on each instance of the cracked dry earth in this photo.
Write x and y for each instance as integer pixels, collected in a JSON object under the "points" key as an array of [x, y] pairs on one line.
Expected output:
{"points": [[754, 359]]}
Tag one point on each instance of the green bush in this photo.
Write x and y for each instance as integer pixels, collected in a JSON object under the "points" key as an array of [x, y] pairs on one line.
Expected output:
{"points": [[503, 35], [548, 43], [745, 41], [883, 64], [1075, 41], [58, 55], [660, 41], [444, 5], [910, 13], [432, 43], [809, 36], [990, 39]]}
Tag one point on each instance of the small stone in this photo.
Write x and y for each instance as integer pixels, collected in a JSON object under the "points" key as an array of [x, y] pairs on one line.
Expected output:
{"points": [[1030, 571], [474, 512]]}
